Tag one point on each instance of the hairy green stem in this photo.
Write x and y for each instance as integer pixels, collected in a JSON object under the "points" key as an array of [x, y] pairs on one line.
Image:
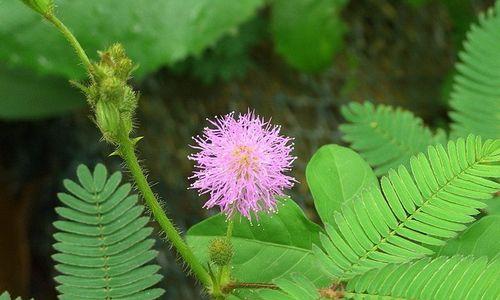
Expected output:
{"points": [[126, 150], [249, 285], [71, 39], [229, 230], [225, 272]]}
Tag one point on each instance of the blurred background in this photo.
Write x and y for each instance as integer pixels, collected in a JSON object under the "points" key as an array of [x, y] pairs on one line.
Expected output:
{"points": [[296, 61]]}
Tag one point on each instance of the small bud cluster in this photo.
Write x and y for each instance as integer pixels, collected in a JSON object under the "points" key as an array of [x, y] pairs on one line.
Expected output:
{"points": [[113, 100], [220, 251]]}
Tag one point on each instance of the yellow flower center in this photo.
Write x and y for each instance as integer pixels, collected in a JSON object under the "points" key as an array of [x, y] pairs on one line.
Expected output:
{"points": [[244, 160]]}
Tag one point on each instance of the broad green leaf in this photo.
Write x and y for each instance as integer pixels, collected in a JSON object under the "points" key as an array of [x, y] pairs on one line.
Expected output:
{"points": [[24, 95], [307, 33], [154, 33], [493, 206], [336, 175], [279, 245], [481, 239], [229, 59]]}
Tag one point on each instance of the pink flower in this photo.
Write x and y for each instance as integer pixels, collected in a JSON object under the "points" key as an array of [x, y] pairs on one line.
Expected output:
{"points": [[241, 163]]}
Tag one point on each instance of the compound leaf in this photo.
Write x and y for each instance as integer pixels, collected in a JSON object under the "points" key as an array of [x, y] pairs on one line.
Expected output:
{"points": [[411, 213], [103, 245], [385, 137], [475, 98]]}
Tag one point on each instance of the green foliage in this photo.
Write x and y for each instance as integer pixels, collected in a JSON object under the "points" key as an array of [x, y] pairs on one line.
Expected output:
{"points": [[461, 13], [475, 99], [411, 211], [294, 287], [25, 95], [154, 33], [6, 296], [493, 206], [307, 33], [40, 6], [337, 175], [417, 3], [228, 59], [481, 239], [384, 136], [280, 244], [456, 277], [102, 242]]}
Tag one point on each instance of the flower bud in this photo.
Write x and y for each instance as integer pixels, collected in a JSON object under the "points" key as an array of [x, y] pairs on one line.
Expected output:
{"points": [[112, 89], [43, 7], [124, 68], [108, 119], [116, 52], [220, 251]]}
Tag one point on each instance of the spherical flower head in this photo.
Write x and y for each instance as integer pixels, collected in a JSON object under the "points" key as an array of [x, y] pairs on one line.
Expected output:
{"points": [[242, 163]]}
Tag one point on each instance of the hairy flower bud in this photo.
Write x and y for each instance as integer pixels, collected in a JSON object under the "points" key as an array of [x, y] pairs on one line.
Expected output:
{"points": [[124, 68], [117, 52], [220, 251], [112, 89], [43, 7], [113, 100], [108, 119]]}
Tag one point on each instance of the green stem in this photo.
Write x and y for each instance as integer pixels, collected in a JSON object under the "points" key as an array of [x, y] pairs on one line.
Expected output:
{"points": [[126, 149], [248, 285], [229, 230], [223, 275], [221, 272], [225, 270], [71, 39]]}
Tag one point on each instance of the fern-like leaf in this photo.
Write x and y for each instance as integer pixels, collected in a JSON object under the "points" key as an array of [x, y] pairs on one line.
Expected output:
{"points": [[442, 278], [6, 296], [393, 225], [385, 137], [456, 277], [103, 245], [475, 98], [293, 287]]}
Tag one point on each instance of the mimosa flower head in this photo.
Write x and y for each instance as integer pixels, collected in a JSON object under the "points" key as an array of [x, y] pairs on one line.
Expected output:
{"points": [[241, 163]]}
